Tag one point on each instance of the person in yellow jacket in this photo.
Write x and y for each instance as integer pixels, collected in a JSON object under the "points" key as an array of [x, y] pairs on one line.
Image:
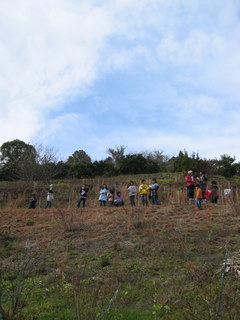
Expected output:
{"points": [[143, 190]]}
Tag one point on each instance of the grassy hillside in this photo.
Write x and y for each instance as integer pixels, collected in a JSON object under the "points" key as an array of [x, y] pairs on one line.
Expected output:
{"points": [[172, 190], [158, 262]]}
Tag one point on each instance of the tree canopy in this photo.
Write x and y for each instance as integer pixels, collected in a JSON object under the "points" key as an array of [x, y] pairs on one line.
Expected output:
{"points": [[19, 160]]}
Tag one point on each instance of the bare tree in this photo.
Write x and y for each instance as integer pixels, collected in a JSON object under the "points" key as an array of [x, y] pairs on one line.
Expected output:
{"points": [[117, 155]]}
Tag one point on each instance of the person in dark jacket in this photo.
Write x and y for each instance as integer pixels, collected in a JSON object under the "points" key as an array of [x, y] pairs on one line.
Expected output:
{"points": [[203, 183], [83, 196], [33, 201], [214, 188]]}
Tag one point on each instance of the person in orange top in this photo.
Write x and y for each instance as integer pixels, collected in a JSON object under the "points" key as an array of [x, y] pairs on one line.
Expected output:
{"points": [[198, 196]]}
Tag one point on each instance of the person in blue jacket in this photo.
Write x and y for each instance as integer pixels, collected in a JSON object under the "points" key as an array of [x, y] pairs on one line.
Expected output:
{"points": [[103, 195]]}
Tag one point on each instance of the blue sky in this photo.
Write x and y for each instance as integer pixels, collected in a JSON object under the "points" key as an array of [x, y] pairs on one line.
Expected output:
{"points": [[147, 74]]}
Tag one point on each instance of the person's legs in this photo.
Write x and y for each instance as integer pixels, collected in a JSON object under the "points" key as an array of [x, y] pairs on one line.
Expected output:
{"points": [[144, 199], [79, 202], [199, 203], [154, 199], [191, 192], [49, 204], [84, 202], [132, 201]]}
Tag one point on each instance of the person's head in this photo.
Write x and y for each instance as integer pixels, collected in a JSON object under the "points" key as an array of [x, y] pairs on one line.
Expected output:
{"points": [[143, 181], [197, 185], [154, 180], [190, 172], [104, 186], [34, 194], [202, 172], [118, 193]]}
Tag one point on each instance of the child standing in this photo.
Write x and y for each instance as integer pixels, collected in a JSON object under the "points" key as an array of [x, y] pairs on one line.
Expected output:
{"points": [[143, 190], [199, 197], [33, 201], [132, 190], [153, 187], [110, 198], [103, 195]]}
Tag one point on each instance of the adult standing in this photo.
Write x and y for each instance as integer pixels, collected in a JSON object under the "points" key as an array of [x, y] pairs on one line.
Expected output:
{"points": [[214, 188], [190, 180], [50, 198], [83, 196], [203, 183]]}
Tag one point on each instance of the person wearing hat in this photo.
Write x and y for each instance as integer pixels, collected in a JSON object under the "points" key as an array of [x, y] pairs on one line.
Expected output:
{"points": [[190, 181]]}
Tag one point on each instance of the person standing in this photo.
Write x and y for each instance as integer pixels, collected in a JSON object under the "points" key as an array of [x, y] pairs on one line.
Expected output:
{"points": [[203, 183], [103, 195], [143, 190], [33, 201], [132, 191], [83, 196], [199, 197], [110, 198], [50, 198], [190, 180], [214, 188], [153, 187]]}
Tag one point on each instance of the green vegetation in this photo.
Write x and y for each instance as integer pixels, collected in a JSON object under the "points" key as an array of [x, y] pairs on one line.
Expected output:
{"points": [[21, 161]]}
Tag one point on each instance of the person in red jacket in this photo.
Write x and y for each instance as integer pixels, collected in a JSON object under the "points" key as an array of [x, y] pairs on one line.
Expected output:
{"points": [[190, 180]]}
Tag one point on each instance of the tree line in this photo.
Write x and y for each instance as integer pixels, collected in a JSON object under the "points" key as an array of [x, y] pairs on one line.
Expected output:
{"points": [[22, 161]]}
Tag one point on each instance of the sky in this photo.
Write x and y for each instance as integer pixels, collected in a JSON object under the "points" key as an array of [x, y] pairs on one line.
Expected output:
{"points": [[144, 74]]}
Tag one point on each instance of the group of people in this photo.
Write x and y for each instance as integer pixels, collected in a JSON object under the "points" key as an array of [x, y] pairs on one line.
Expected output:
{"points": [[200, 184], [147, 192], [50, 198], [107, 196]]}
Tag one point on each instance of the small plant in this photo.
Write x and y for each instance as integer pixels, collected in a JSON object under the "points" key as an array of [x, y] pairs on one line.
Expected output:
{"points": [[29, 222], [105, 260], [160, 310]]}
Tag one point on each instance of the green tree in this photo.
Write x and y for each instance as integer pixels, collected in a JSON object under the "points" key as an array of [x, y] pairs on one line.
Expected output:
{"points": [[79, 157], [158, 158], [184, 162], [104, 168], [133, 164], [18, 160], [225, 166], [80, 165]]}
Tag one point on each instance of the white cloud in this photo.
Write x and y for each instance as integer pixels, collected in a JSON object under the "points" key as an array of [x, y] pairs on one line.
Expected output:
{"points": [[53, 52], [50, 52]]}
